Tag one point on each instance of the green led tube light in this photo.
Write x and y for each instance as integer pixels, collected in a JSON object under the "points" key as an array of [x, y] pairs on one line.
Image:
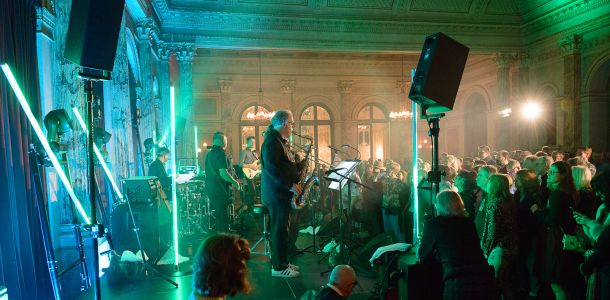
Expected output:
{"points": [[43, 140], [172, 112]]}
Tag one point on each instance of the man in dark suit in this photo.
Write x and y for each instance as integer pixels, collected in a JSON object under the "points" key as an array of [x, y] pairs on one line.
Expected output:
{"points": [[279, 182], [341, 282]]}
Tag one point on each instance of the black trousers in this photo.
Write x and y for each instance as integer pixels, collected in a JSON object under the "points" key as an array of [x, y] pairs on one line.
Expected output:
{"points": [[280, 214], [220, 205]]}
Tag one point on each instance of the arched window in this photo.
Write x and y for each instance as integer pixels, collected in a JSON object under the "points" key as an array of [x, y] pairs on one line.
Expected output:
{"points": [[254, 121], [372, 132], [315, 121], [475, 124]]}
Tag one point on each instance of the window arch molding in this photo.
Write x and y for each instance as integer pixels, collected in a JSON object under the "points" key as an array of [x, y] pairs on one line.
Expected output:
{"points": [[316, 120], [373, 130]]}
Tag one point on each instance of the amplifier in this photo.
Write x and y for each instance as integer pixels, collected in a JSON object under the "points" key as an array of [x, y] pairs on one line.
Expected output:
{"points": [[140, 188]]}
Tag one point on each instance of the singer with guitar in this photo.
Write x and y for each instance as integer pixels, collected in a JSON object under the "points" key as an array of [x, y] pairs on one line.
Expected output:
{"points": [[278, 185], [219, 180], [248, 161]]}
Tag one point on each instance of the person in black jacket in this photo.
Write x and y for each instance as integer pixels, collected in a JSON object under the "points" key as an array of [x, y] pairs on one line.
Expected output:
{"points": [[341, 282], [279, 183], [157, 168], [451, 240]]}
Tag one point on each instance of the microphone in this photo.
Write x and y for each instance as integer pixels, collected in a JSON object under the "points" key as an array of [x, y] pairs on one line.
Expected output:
{"points": [[335, 149], [333, 171]]}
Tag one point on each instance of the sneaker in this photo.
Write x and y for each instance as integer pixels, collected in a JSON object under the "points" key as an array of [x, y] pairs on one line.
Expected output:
{"points": [[294, 267], [288, 272]]}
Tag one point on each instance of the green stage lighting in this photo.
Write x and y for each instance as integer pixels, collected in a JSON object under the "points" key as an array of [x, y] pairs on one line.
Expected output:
{"points": [[43, 140], [172, 112], [415, 168], [100, 158], [196, 151]]}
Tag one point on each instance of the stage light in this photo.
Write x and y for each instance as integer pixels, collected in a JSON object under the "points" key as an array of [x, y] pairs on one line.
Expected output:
{"points": [[415, 170], [196, 150], [43, 141], [101, 137], [505, 112], [100, 158], [57, 122], [172, 112], [531, 110]]}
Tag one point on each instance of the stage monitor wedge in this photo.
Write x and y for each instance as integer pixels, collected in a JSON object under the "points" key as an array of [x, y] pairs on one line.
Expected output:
{"points": [[93, 33], [438, 74]]}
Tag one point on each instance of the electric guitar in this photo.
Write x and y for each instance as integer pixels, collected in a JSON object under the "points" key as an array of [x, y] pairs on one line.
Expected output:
{"points": [[251, 173]]}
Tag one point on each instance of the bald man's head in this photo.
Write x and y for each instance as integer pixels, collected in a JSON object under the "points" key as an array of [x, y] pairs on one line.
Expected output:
{"points": [[343, 277]]}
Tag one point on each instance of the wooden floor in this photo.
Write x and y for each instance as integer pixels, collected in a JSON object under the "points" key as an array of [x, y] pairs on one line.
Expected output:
{"points": [[264, 286]]}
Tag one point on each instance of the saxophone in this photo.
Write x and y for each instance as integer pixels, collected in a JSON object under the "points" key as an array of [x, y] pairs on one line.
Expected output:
{"points": [[306, 179]]}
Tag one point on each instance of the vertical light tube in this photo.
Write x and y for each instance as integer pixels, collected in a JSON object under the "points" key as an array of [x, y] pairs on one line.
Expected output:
{"points": [[172, 112], [196, 151], [43, 141], [415, 168], [154, 149], [100, 158]]}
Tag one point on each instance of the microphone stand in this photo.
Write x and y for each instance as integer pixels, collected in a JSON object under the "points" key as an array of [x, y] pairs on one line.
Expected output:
{"points": [[351, 147]]}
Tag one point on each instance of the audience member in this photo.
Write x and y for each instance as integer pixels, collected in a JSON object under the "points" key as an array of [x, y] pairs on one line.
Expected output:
{"points": [[557, 219], [341, 282], [529, 162], [499, 239], [586, 202], [481, 209], [466, 183], [585, 154], [219, 268], [503, 158], [485, 155], [391, 205], [543, 163], [528, 231], [450, 239]]}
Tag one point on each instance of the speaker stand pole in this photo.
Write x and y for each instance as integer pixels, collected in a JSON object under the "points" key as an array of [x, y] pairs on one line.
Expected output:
{"points": [[434, 176]]}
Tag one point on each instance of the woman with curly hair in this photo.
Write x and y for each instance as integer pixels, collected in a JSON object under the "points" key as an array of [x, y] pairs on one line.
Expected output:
{"points": [[499, 239], [219, 268]]}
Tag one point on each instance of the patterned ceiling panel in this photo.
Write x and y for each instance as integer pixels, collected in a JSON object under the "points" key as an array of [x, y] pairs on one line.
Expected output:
{"points": [[283, 2], [450, 6], [502, 7], [374, 4]]}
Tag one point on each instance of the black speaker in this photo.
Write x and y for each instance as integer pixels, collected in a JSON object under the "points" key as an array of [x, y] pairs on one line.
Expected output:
{"points": [[438, 74], [364, 253], [93, 33], [154, 228]]}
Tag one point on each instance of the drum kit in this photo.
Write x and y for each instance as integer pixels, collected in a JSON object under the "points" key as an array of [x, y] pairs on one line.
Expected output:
{"points": [[195, 215]]}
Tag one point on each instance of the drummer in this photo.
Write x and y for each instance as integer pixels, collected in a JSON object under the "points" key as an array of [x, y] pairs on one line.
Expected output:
{"points": [[157, 168]]}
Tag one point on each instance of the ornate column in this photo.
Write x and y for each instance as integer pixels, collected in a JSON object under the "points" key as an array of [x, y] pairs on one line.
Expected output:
{"points": [[503, 61], [225, 87], [184, 101], [345, 122], [146, 94], [164, 52], [523, 91], [288, 87], [570, 104]]}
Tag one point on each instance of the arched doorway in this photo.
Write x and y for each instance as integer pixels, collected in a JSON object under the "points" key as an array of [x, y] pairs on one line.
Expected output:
{"points": [[373, 132], [475, 124], [595, 109]]}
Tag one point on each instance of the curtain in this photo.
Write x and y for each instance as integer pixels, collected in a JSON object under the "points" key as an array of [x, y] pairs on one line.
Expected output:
{"points": [[23, 268]]}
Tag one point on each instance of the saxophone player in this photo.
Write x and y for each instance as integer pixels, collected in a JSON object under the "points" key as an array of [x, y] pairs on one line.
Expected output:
{"points": [[279, 182]]}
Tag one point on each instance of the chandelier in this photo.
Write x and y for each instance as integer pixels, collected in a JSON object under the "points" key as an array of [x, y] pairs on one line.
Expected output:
{"points": [[260, 115], [403, 113]]}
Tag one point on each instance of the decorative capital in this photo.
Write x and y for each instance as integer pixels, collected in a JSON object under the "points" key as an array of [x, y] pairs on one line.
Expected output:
{"points": [[145, 28], [523, 59], [503, 60], [184, 52], [164, 50], [45, 18], [224, 85], [345, 86], [288, 86], [571, 44], [402, 86]]}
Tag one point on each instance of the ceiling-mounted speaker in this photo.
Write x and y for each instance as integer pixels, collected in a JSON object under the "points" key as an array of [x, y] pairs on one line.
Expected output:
{"points": [[438, 74], [93, 33]]}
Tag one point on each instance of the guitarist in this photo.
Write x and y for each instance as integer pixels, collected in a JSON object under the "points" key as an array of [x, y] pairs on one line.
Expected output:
{"points": [[218, 181], [248, 159], [278, 185]]}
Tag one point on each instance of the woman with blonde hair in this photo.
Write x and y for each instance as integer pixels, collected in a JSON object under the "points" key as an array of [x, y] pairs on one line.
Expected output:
{"points": [[499, 239], [450, 239], [586, 203]]}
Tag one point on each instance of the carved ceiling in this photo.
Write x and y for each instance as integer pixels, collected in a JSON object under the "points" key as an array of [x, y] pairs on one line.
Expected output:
{"points": [[360, 25]]}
